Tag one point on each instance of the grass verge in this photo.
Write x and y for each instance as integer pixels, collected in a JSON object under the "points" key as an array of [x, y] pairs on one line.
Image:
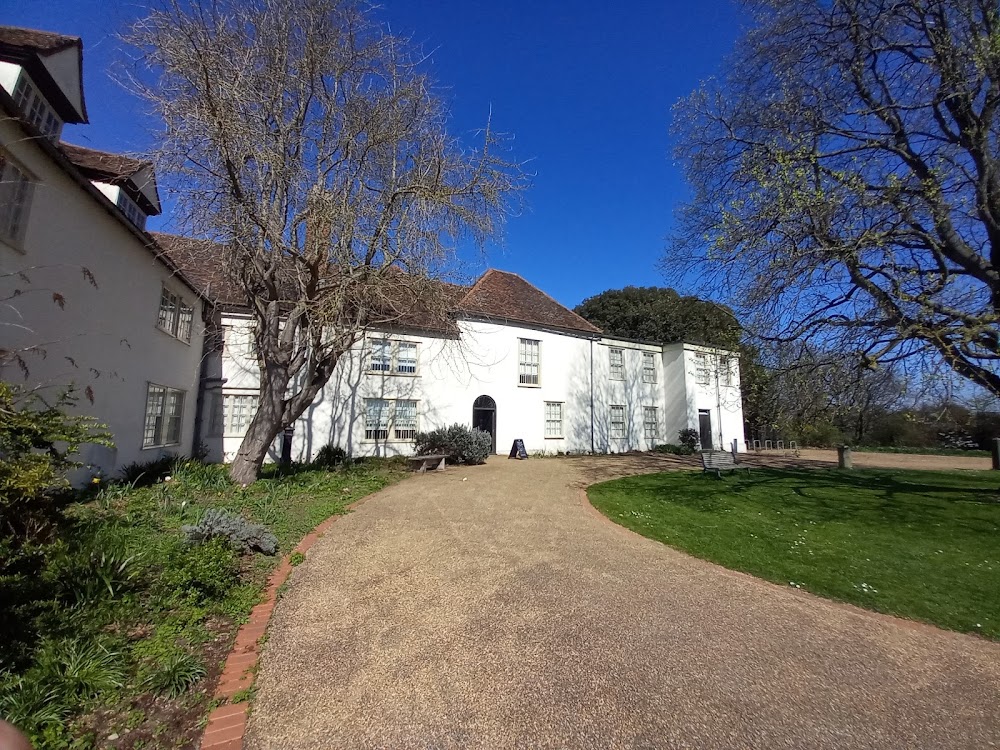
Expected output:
{"points": [[129, 625], [916, 544]]}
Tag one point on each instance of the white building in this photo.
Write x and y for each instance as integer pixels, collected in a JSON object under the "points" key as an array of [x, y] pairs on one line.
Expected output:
{"points": [[94, 300], [511, 361], [87, 299]]}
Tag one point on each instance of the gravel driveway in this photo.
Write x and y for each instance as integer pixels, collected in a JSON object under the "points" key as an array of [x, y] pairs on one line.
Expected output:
{"points": [[491, 607]]}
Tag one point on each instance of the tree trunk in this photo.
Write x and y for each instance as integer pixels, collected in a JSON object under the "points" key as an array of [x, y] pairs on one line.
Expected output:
{"points": [[263, 429], [253, 450]]}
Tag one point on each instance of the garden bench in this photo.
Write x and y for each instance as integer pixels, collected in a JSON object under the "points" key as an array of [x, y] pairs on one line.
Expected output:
{"points": [[427, 462], [720, 461]]}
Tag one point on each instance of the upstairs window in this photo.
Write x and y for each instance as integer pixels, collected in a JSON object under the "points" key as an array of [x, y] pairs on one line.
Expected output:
{"points": [[528, 363], [131, 210], [618, 422], [648, 367], [176, 316], [381, 355], [617, 357], [701, 376], [15, 200], [726, 370], [389, 356], [406, 357], [35, 109]]}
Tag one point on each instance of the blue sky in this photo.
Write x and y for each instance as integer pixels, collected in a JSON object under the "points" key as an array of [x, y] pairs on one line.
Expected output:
{"points": [[585, 88]]}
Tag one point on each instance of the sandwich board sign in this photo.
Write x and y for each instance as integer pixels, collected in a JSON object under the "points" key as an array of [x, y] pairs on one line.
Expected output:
{"points": [[517, 450]]}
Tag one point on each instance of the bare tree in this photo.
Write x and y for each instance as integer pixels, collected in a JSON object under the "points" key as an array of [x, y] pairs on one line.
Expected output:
{"points": [[309, 143], [846, 174]]}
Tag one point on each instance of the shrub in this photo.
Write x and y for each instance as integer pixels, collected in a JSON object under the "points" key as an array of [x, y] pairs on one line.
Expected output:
{"points": [[462, 445], [676, 450], [689, 438], [199, 573], [244, 535], [79, 670], [329, 456], [37, 445], [174, 674], [148, 473], [87, 575]]}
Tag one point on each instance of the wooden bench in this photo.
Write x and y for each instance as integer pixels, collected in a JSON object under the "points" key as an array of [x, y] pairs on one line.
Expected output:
{"points": [[427, 462], [720, 461]]}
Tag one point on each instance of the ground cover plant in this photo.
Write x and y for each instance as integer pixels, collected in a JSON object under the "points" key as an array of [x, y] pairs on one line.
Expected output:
{"points": [[916, 544], [131, 618]]}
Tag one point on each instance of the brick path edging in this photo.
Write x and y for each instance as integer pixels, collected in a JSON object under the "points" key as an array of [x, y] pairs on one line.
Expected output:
{"points": [[227, 724]]}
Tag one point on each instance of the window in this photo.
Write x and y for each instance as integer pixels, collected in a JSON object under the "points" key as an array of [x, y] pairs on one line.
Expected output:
{"points": [[15, 199], [701, 368], [726, 370], [528, 361], [553, 419], [617, 364], [381, 355], [406, 357], [404, 422], [376, 419], [398, 357], [131, 210], [175, 316], [618, 421], [238, 410], [384, 417], [648, 367], [35, 109], [649, 422], [164, 415]]}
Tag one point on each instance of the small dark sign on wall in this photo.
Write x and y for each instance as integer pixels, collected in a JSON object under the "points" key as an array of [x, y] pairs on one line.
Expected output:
{"points": [[517, 450]]}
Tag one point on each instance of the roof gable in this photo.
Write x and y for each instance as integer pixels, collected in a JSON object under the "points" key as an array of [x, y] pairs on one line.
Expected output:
{"points": [[506, 296], [55, 64], [117, 169]]}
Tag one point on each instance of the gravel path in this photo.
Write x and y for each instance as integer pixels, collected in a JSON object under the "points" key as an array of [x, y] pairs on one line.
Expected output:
{"points": [[490, 607]]}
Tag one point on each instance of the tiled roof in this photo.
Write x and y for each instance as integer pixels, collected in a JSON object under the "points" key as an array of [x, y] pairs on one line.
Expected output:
{"points": [[203, 263], [101, 165], [497, 295], [40, 41], [500, 295]]}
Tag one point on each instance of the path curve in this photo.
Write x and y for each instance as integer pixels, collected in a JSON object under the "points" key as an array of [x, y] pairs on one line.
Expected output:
{"points": [[489, 607]]}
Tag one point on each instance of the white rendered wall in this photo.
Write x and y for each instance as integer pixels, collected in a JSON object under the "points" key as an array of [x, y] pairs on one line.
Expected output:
{"points": [[453, 373], [723, 402], [106, 337], [9, 73]]}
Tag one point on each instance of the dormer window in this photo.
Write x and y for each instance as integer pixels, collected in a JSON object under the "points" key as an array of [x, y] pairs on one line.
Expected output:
{"points": [[131, 210], [36, 109]]}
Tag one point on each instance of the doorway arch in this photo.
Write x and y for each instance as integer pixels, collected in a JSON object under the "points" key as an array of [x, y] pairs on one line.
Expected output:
{"points": [[484, 416]]}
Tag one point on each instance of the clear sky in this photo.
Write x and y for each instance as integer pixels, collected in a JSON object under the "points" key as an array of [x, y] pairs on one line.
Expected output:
{"points": [[585, 87]]}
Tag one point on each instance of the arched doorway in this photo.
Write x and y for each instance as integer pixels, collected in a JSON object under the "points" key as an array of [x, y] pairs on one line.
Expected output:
{"points": [[484, 416]]}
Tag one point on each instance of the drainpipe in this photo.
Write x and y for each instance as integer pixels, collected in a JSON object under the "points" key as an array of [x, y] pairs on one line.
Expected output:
{"points": [[592, 444]]}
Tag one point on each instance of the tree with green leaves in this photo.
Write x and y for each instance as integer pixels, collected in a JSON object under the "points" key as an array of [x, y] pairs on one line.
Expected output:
{"points": [[846, 180], [660, 314]]}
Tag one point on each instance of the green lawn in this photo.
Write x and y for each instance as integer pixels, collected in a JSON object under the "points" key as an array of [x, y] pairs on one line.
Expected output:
{"points": [[917, 544]]}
